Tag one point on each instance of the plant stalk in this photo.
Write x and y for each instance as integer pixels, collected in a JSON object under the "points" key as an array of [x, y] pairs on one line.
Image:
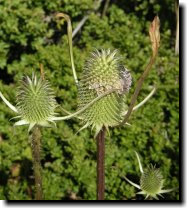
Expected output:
{"points": [[137, 90], [100, 164], [35, 138], [155, 43], [105, 7], [69, 32]]}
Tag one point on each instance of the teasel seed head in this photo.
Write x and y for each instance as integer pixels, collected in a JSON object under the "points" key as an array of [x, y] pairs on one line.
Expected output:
{"points": [[35, 103], [151, 181], [35, 100], [102, 72]]}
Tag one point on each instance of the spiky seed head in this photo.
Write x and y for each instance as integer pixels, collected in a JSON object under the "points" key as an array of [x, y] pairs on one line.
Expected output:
{"points": [[35, 100], [151, 181], [102, 72]]}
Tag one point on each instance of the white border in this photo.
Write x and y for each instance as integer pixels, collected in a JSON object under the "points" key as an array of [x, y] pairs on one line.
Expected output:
{"points": [[185, 69]]}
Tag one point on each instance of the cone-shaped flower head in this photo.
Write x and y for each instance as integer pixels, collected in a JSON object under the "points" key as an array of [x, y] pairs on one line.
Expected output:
{"points": [[35, 102], [151, 181], [102, 72]]}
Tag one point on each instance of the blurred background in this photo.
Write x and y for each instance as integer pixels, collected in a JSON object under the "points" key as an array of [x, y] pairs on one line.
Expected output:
{"points": [[30, 36]]}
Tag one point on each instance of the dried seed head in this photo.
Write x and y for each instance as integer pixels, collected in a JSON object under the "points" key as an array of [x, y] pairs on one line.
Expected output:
{"points": [[151, 181], [35, 100], [102, 72]]}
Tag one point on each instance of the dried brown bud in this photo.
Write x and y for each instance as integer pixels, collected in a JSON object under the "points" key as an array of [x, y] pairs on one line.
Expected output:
{"points": [[155, 34]]}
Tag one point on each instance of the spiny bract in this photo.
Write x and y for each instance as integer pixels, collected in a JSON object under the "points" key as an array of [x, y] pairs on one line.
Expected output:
{"points": [[102, 72]]}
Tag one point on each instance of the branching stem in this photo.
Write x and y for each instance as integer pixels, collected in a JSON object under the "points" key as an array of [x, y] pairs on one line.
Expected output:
{"points": [[155, 43], [138, 88]]}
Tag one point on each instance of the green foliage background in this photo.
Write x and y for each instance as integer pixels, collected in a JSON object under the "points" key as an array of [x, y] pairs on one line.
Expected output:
{"points": [[29, 35]]}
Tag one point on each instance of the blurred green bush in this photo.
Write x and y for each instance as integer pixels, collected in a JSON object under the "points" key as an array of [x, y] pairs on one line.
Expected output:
{"points": [[29, 35]]}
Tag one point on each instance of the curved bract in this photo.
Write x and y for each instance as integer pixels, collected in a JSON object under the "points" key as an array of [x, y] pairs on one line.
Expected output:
{"points": [[102, 72]]}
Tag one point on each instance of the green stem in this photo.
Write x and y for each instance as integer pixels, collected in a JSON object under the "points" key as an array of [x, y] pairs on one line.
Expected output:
{"points": [[35, 138], [69, 31]]}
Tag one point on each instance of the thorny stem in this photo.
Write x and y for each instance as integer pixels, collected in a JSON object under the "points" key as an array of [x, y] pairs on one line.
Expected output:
{"points": [[35, 139], [69, 31], [100, 164]]}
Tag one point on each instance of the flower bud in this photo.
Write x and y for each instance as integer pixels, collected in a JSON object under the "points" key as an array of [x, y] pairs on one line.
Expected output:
{"points": [[155, 34]]}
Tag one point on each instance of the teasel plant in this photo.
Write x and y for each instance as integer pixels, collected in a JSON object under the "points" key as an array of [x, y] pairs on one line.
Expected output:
{"points": [[101, 104], [101, 89], [35, 107], [151, 182]]}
